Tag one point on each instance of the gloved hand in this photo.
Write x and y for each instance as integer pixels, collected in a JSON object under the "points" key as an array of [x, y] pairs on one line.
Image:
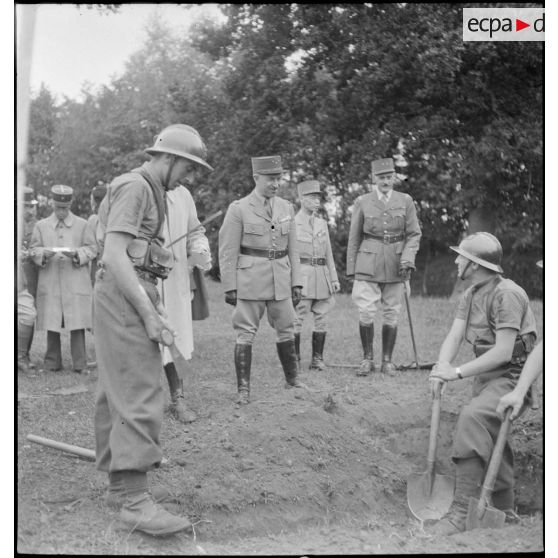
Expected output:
{"points": [[230, 297], [405, 269], [297, 295]]}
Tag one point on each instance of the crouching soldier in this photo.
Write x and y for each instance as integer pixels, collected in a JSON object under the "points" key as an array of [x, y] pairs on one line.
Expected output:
{"points": [[260, 270], [495, 317], [319, 277]]}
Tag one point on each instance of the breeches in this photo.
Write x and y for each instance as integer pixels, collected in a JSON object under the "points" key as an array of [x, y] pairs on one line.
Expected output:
{"points": [[319, 309], [130, 398], [478, 426], [248, 313], [26, 313], [368, 296]]}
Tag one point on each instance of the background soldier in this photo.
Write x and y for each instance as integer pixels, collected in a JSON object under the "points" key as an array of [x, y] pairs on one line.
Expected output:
{"points": [[28, 275], [494, 316], [176, 290], [97, 195], [260, 269], [319, 277], [383, 241], [128, 326], [63, 245]]}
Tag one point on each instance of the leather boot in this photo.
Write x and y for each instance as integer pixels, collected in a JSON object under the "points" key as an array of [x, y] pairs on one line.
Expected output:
{"points": [[389, 333], [287, 356], [140, 513], [318, 341], [24, 337], [115, 495], [367, 340], [178, 407], [468, 479], [297, 350], [243, 363]]}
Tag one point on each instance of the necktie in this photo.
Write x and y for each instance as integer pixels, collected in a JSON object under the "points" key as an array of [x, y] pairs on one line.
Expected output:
{"points": [[267, 206], [385, 198]]}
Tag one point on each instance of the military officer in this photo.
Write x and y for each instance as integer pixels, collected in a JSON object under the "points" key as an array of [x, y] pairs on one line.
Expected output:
{"points": [[260, 269], [130, 324], [319, 276], [495, 317], [383, 240], [27, 284], [62, 246]]}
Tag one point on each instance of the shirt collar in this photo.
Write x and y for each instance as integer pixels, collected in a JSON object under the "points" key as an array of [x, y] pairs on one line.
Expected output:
{"points": [[261, 199], [68, 222], [380, 194]]}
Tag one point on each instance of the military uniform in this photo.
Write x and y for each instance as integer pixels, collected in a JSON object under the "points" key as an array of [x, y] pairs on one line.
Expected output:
{"points": [[384, 234], [259, 260], [486, 307], [318, 274], [64, 289]]}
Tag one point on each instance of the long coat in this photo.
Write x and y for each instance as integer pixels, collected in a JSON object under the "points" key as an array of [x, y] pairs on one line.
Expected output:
{"points": [[314, 242], [64, 288], [247, 224], [175, 289], [369, 259]]}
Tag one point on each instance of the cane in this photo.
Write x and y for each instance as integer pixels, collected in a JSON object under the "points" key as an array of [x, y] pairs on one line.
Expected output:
{"points": [[411, 323]]}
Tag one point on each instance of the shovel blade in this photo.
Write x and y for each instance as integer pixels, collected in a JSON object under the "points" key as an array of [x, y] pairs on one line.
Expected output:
{"points": [[491, 517], [426, 504]]}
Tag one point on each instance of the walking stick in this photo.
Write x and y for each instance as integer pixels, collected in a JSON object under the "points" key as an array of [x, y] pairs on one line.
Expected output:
{"points": [[411, 323]]}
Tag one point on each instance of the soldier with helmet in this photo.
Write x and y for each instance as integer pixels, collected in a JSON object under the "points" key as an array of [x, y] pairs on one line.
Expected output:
{"points": [[319, 276], [260, 269], [495, 317], [62, 245], [384, 238], [130, 324]]}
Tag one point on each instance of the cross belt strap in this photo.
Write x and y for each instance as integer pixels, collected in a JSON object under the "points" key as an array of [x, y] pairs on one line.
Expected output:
{"points": [[270, 254], [386, 238], [313, 261]]}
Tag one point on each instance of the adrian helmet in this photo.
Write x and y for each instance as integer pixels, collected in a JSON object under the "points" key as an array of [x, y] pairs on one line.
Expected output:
{"points": [[482, 248], [183, 141]]}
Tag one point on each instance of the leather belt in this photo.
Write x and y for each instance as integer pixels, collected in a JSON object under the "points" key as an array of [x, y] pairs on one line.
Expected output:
{"points": [[270, 254], [386, 238], [313, 261]]}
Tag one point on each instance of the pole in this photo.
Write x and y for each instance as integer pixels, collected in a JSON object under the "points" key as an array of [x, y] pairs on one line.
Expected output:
{"points": [[411, 323], [68, 448]]}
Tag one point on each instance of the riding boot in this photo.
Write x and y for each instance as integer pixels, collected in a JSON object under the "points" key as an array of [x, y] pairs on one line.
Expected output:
{"points": [[389, 333], [287, 356], [318, 341], [24, 337], [178, 407], [367, 340], [297, 350], [468, 478], [140, 513], [243, 363]]}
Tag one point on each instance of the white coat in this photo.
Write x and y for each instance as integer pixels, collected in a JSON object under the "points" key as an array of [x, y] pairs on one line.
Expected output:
{"points": [[175, 289]]}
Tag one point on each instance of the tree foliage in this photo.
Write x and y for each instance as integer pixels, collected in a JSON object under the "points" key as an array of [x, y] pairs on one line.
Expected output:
{"points": [[329, 87]]}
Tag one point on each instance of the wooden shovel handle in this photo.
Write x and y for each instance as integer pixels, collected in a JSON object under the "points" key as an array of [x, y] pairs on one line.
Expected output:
{"points": [[434, 426], [496, 459]]}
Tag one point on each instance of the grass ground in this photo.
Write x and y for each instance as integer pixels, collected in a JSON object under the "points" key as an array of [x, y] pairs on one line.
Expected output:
{"points": [[313, 471]]}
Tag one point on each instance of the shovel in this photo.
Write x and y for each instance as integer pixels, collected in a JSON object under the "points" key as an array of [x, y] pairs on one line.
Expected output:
{"points": [[480, 513], [429, 495]]}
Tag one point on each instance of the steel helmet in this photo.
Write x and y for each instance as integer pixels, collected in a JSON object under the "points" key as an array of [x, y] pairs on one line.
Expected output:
{"points": [[482, 248], [183, 141]]}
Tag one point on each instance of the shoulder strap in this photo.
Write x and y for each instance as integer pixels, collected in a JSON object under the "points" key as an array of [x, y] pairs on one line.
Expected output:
{"points": [[159, 200]]}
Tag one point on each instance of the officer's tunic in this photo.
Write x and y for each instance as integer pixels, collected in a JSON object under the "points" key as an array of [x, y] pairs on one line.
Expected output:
{"points": [[130, 398], [487, 307], [374, 259], [64, 288], [29, 268], [260, 282], [176, 288], [317, 289]]}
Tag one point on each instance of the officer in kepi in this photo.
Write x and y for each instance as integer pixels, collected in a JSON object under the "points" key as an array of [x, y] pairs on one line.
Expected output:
{"points": [[260, 270], [495, 317], [319, 277], [384, 238]]}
